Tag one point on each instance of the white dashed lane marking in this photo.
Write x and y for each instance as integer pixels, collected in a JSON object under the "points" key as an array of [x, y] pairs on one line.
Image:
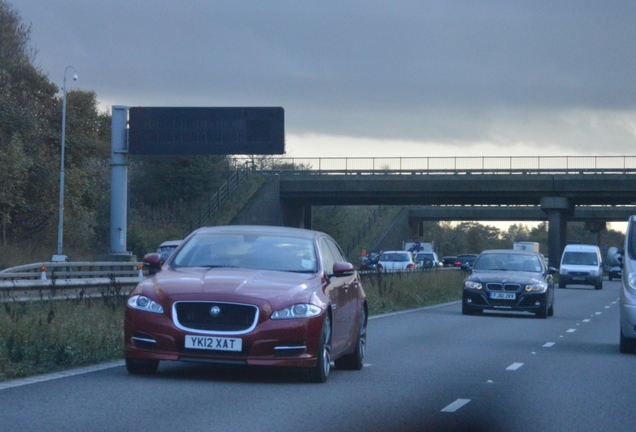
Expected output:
{"points": [[549, 344], [514, 366], [455, 405]]}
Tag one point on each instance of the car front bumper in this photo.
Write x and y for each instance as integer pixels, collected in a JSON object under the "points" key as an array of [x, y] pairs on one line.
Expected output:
{"points": [[288, 343], [525, 302]]}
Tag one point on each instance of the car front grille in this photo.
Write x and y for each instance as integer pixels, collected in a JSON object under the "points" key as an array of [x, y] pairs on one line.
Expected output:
{"points": [[578, 273], [215, 316], [509, 287]]}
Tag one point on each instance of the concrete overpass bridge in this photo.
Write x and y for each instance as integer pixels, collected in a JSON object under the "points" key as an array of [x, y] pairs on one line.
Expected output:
{"points": [[594, 189]]}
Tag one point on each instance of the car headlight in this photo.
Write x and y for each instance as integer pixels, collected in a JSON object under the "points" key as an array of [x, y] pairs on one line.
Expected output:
{"points": [[472, 285], [297, 311], [631, 280], [536, 287], [144, 303]]}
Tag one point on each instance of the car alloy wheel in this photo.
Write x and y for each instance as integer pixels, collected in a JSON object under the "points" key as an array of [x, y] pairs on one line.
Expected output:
{"points": [[355, 360], [320, 372]]}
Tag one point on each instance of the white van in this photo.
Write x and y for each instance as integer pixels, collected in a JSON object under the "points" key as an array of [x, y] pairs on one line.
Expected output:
{"points": [[628, 289], [581, 265]]}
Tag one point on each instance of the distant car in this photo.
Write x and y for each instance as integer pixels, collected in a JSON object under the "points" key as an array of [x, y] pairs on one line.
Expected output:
{"points": [[465, 260], [166, 248], [448, 261], [249, 295], [509, 280], [426, 259], [370, 261], [396, 261], [614, 272]]}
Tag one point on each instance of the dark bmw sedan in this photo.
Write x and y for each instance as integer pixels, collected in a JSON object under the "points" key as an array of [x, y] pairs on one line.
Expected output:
{"points": [[251, 295], [509, 280]]}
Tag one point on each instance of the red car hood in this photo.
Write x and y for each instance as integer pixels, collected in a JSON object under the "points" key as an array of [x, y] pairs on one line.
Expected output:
{"points": [[231, 284]]}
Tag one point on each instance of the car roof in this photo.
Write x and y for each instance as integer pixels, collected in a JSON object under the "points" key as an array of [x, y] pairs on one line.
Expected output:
{"points": [[260, 229], [510, 252], [581, 247], [171, 243]]}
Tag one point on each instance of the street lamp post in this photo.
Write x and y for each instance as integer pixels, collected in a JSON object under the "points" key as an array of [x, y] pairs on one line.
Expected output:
{"points": [[60, 227]]}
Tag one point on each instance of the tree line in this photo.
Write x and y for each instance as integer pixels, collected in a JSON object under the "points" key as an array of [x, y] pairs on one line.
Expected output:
{"points": [[161, 189]]}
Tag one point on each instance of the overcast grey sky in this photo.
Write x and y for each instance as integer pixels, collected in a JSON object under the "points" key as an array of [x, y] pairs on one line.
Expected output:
{"points": [[375, 77]]}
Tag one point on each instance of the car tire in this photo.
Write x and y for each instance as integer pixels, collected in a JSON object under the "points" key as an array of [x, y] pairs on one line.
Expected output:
{"points": [[599, 286], [141, 367], [466, 310], [543, 312], [320, 372], [355, 360], [627, 345]]}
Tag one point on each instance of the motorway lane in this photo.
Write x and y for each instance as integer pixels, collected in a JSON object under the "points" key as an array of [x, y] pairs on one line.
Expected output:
{"points": [[430, 369]]}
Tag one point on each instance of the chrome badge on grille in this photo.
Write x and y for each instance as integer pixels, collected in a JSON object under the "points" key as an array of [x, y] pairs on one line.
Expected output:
{"points": [[215, 311]]}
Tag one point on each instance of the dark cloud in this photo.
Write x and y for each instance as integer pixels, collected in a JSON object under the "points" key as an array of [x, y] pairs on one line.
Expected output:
{"points": [[449, 71]]}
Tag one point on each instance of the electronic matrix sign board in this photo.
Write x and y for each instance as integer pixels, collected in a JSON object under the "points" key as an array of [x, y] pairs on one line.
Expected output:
{"points": [[193, 131]]}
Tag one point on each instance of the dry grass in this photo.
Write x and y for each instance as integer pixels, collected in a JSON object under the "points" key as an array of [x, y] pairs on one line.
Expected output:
{"points": [[401, 291], [45, 336]]}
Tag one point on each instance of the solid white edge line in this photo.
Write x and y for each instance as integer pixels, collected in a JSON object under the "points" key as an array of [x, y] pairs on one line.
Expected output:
{"points": [[56, 375], [455, 405]]}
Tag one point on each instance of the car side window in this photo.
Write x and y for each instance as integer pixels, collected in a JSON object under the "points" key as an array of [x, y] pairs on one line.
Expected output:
{"points": [[327, 256], [337, 253]]}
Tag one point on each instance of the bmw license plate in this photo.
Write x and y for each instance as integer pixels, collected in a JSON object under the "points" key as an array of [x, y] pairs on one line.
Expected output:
{"points": [[213, 343], [503, 296]]}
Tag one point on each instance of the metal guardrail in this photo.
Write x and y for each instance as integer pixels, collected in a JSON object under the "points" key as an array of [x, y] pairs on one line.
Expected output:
{"points": [[448, 165], [53, 280]]}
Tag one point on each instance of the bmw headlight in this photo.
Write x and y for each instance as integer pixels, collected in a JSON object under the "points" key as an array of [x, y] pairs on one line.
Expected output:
{"points": [[144, 303], [536, 287], [472, 285], [303, 310]]}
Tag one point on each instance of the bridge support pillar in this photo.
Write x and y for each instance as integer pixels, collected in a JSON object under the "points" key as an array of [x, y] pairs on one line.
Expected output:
{"points": [[415, 229], [295, 215], [596, 227], [558, 210]]}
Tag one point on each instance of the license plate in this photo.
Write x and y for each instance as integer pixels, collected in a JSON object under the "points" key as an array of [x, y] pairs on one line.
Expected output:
{"points": [[213, 343], [578, 278], [503, 296]]}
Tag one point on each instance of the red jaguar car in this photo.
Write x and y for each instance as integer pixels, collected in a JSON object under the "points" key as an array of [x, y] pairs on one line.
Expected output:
{"points": [[253, 295]]}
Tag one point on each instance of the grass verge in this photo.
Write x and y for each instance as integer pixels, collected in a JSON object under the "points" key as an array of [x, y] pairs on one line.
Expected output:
{"points": [[51, 335]]}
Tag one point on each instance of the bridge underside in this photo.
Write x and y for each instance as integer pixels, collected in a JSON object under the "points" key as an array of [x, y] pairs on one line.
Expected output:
{"points": [[557, 199]]}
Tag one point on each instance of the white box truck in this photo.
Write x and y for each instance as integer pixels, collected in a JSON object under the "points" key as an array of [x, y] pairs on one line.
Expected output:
{"points": [[526, 246]]}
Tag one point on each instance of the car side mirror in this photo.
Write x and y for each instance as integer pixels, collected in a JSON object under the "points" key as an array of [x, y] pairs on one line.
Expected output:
{"points": [[152, 262], [343, 269]]}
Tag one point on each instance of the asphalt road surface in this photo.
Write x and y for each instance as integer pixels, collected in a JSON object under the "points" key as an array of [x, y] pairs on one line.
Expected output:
{"points": [[431, 369]]}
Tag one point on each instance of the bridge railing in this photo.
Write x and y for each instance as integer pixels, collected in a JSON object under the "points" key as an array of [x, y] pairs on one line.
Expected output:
{"points": [[448, 165]]}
